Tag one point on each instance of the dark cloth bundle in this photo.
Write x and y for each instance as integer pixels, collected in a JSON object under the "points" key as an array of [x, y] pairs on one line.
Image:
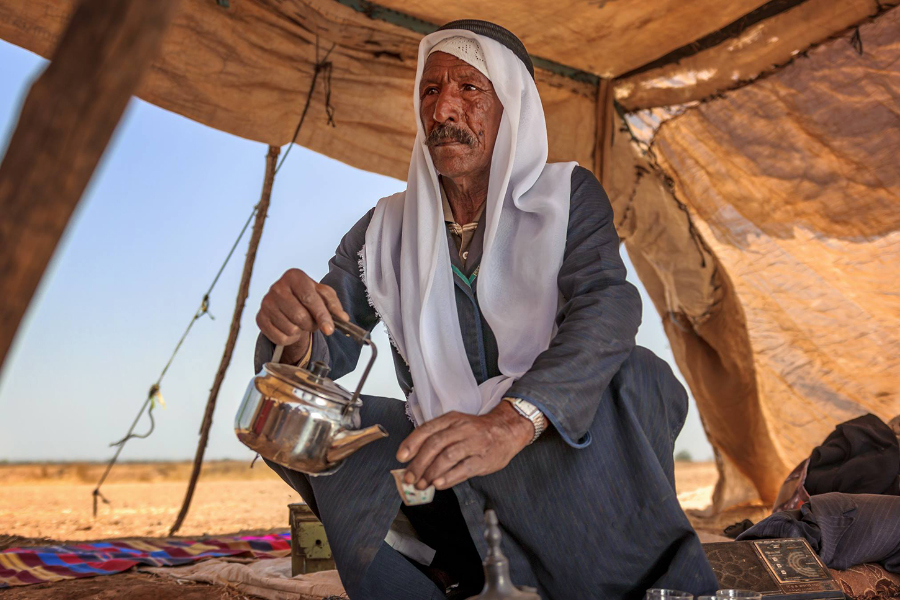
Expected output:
{"points": [[861, 456], [843, 529]]}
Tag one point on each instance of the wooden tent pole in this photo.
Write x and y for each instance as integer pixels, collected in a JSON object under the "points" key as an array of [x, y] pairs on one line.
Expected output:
{"points": [[262, 210], [66, 122], [603, 137]]}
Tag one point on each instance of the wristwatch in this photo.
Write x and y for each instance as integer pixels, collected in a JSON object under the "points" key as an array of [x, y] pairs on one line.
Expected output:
{"points": [[530, 412]]}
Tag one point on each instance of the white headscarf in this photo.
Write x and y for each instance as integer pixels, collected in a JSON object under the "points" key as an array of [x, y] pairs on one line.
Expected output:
{"points": [[406, 263]]}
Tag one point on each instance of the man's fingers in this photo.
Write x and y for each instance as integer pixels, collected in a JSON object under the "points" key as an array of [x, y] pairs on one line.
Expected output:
{"points": [[431, 448], [462, 471], [316, 307], [285, 325], [410, 446], [450, 456], [331, 301], [296, 304], [305, 291], [291, 309], [280, 331]]}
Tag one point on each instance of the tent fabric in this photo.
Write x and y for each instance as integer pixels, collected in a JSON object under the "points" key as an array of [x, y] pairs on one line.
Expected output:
{"points": [[703, 320], [605, 37], [762, 217], [247, 70], [793, 183], [735, 61]]}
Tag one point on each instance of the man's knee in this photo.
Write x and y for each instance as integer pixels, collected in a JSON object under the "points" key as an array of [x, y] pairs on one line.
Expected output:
{"points": [[657, 400], [643, 362], [657, 386]]}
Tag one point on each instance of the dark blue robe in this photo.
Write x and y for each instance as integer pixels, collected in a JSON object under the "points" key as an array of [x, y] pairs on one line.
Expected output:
{"points": [[587, 511]]}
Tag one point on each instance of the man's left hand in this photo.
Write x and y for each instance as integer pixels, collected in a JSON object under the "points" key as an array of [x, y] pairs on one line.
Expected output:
{"points": [[454, 447]]}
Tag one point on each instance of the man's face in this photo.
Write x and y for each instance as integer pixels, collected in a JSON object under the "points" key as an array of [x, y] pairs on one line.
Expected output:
{"points": [[461, 115]]}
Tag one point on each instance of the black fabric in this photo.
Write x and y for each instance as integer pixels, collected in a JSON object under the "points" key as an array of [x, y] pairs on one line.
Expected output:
{"points": [[860, 456], [441, 525], [737, 529], [496, 33], [843, 529]]}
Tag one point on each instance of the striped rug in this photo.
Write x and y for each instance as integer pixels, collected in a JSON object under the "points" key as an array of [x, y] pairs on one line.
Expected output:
{"points": [[24, 566]]}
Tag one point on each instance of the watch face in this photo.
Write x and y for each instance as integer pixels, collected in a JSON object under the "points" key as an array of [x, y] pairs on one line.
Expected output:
{"points": [[526, 409]]}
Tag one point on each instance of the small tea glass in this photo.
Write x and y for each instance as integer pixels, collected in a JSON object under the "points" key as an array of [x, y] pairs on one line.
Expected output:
{"points": [[738, 594], [659, 594]]}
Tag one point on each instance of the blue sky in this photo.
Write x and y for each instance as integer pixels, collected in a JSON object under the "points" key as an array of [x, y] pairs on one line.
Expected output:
{"points": [[158, 218]]}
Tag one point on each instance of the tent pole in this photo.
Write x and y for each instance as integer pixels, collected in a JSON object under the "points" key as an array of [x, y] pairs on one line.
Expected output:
{"points": [[603, 137], [66, 122], [262, 210]]}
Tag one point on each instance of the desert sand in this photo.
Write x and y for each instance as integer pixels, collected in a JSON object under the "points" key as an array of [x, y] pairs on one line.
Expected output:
{"points": [[54, 502]]}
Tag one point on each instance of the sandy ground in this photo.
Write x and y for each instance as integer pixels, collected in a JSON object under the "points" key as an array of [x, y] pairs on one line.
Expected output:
{"points": [[54, 501], [695, 483]]}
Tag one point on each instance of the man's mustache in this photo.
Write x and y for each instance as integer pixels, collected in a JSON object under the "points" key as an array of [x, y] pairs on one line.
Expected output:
{"points": [[450, 133]]}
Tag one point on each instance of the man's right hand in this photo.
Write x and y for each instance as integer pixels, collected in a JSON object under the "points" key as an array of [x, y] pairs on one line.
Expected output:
{"points": [[295, 306]]}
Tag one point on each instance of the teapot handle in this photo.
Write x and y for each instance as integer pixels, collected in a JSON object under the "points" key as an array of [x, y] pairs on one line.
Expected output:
{"points": [[354, 332], [276, 356], [362, 336]]}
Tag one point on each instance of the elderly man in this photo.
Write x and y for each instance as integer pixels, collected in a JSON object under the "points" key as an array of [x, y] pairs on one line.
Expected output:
{"points": [[499, 280]]}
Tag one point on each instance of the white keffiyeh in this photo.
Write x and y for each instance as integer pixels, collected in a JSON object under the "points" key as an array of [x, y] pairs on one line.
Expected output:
{"points": [[406, 263]]}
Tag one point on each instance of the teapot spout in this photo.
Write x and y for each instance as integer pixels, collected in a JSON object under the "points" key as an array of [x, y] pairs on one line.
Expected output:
{"points": [[348, 441]]}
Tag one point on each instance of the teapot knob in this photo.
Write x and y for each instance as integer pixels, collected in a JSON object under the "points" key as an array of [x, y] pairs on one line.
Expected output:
{"points": [[319, 369]]}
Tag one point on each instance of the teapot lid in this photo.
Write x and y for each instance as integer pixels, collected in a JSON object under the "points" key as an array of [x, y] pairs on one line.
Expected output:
{"points": [[313, 380]]}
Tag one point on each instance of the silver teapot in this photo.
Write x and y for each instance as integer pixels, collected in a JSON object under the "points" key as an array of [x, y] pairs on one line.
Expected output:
{"points": [[299, 418]]}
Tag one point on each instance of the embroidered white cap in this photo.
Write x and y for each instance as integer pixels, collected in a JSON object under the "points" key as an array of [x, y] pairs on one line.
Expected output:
{"points": [[465, 49]]}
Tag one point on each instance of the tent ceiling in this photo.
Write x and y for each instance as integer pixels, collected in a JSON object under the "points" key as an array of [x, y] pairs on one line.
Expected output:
{"points": [[744, 56], [607, 38], [246, 69]]}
